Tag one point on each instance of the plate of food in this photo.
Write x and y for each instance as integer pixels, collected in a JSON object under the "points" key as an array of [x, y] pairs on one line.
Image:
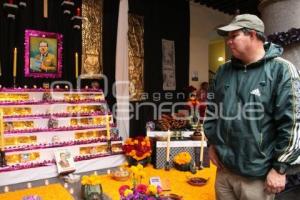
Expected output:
{"points": [[121, 175], [197, 181]]}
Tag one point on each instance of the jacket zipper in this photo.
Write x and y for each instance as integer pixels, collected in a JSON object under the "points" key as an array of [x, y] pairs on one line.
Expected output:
{"points": [[245, 68]]}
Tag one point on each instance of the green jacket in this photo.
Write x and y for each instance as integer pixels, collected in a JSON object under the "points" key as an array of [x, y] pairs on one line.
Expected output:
{"points": [[253, 114]]}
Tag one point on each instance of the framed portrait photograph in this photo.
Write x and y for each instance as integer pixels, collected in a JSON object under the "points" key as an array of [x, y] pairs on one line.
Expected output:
{"points": [[43, 54], [64, 161]]}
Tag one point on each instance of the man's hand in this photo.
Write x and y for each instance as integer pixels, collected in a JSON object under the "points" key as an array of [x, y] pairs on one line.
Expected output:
{"points": [[43, 67], [214, 157], [275, 182]]}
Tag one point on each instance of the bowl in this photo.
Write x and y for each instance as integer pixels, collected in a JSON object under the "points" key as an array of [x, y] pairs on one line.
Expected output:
{"points": [[196, 137], [121, 175], [197, 181], [161, 138]]}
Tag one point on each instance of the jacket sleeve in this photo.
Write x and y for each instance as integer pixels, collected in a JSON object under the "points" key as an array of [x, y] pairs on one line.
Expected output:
{"points": [[287, 117]]}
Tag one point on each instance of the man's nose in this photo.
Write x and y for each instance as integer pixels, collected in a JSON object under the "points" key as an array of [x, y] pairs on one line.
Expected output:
{"points": [[229, 41]]}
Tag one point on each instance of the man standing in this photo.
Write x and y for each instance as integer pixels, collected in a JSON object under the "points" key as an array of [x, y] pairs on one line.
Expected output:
{"points": [[252, 121]]}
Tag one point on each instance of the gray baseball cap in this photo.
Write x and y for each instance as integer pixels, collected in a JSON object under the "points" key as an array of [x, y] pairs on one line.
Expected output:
{"points": [[242, 21]]}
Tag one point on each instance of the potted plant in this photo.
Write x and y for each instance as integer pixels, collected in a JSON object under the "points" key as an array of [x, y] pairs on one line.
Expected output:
{"points": [[91, 187]]}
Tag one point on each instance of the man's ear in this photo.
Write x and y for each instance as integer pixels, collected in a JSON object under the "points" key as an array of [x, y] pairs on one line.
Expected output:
{"points": [[252, 34]]}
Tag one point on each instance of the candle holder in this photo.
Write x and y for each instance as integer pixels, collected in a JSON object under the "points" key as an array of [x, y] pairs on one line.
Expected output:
{"points": [[77, 21], [109, 149], [15, 85], [167, 166], [2, 158], [67, 7], [11, 10], [201, 165], [23, 3], [193, 168]]}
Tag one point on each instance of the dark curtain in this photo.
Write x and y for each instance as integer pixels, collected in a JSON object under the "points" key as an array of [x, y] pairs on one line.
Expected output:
{"points": [[163, 19], [12, 35], [110, 21]]}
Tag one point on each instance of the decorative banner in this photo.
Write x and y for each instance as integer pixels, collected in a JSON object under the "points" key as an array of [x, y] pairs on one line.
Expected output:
{"points": [[168, 65], [92, 27], [43, 54], [136, 56]]}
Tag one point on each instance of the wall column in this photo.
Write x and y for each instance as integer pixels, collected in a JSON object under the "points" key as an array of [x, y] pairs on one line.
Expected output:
{"points": [[281, 16]]}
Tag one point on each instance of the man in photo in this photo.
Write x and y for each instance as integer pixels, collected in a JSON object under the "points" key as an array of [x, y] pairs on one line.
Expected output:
{"points": [[64, 162], [44, 61]]}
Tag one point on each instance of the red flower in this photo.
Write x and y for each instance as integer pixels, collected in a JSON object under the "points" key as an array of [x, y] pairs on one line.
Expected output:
{"points": [[138, 148], [122, 189], [141, 188]]}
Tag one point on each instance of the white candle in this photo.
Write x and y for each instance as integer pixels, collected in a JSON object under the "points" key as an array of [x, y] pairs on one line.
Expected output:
{"points": [[6, 189], [15, 63], [2, 144], [29, 185], [76, 65], [71, 190], [108, 172], [66, 185], [107, 127], [202, 148], [95, 172], [46, 182], [168, 146]]}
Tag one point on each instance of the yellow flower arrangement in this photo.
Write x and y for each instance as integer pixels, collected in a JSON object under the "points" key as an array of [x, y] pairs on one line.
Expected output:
{"points": [[137, 174], [182, 158], [137, 148], [91, 180]]}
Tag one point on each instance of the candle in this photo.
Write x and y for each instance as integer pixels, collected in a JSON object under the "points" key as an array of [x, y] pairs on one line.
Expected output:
{"points": [[108, 172], [76, 65], [71, 190], [6, 189], [45, 12], [168, 146], [66, 185], [107, 127], [46, 182], [201, 148], [78, 11], [15, 63], [1, 131], [29, 185]]}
